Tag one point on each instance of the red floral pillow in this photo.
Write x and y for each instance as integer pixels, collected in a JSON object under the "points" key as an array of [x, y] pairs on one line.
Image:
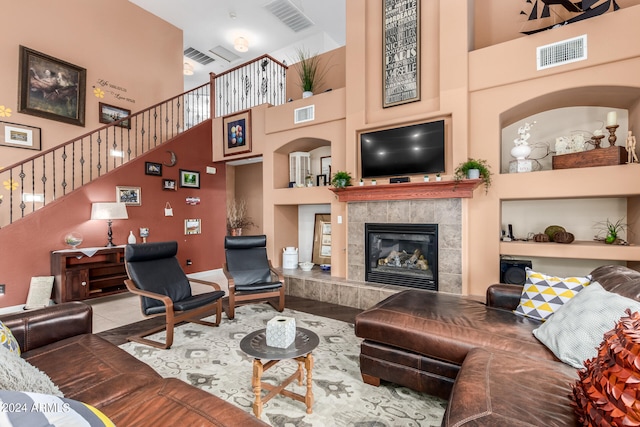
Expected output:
{"points": [[608, 391]]}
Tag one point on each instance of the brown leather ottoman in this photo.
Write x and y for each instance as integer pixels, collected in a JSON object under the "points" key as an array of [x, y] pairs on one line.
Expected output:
{"points": [[420, 338]]}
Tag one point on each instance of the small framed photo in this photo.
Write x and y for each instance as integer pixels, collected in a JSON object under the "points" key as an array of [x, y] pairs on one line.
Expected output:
{"points": [[130, 196], [189, 179], [192, 226], [237, 133], [321, 180], [110, 114], [169, 185], [20, 136], [151, 168], [325, 166]]}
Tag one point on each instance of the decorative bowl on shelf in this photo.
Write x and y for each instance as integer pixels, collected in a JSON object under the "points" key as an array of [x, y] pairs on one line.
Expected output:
{"points": [[73, 239], [325, 267], [306, 266]]}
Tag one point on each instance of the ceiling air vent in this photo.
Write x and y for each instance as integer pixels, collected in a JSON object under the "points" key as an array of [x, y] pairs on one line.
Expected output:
{"points": [[198, 56], [289, 14], [304, 114], [224, 53], [560, 53]]}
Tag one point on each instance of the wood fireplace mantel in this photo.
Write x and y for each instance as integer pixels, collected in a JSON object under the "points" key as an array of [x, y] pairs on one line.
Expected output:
{"points": [[408, 190]]}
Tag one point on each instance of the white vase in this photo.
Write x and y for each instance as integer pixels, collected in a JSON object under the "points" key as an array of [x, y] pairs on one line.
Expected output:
{"points": [[426, 179], [132, 238], [521, 152], [307, 94], [438, 178], [473, 173]]}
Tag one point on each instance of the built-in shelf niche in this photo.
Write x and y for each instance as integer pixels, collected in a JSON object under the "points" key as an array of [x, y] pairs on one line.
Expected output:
{"points": [[316, 148], [565, 122]]}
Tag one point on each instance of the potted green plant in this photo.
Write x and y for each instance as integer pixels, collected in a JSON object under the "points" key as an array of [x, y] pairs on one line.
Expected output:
{"points": [[341, 179], [610, 231], [438, 177], [309, 71], [361, 182], [474, 169]]}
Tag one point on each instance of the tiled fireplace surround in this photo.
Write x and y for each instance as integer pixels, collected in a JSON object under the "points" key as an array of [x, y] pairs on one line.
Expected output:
{"points": [[354, 291]]}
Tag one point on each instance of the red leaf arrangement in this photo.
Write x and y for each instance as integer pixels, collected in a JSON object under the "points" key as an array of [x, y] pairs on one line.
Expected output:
{"points": [[608, 391]]}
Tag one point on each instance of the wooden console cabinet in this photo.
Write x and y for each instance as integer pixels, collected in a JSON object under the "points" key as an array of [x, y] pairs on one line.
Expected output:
{"points": [[79, 276]]}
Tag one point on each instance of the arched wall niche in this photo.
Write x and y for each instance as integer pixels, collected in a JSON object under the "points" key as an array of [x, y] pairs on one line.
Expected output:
{"points": [[318, 148], [571, 113], [623, 97]]}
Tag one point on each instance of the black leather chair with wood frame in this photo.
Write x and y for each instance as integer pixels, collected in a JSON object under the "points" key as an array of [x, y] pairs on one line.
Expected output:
{"points": [[251, 276], [155, 274]]}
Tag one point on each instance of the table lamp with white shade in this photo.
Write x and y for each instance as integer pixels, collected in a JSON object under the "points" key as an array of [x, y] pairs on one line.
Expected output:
{"points": [[109, 211]]}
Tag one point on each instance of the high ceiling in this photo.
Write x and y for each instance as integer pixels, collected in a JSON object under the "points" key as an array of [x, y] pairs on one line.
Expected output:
{"points": [[211, 24]]}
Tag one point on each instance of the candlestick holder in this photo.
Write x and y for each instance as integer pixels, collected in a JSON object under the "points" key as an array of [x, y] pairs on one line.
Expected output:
{"points": [[597, 139], [612, 134]]}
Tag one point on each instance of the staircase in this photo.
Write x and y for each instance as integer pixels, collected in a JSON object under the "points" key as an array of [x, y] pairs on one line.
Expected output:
{"points": [[33, 183]]}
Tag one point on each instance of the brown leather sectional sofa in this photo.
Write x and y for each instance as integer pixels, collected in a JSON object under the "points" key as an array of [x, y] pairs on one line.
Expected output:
{"points": [[480, 356], [59, 342]]}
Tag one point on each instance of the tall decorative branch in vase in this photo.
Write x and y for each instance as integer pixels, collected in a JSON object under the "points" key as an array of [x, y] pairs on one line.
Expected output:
{"points": [[237, 217], [310, 72]]}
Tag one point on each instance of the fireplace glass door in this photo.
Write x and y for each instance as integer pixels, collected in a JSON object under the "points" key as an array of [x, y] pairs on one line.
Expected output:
{"points": [[402, 254]]}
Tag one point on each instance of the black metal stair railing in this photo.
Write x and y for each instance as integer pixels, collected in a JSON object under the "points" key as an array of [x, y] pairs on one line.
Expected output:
{"points": [[33, 183]]}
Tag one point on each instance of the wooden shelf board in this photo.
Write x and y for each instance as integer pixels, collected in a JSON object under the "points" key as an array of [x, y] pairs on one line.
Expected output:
{"points": [[579, 249], [408, 190]]}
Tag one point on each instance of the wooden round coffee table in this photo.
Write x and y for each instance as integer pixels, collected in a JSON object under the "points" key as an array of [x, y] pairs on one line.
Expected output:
{"points": [[255, 345]]}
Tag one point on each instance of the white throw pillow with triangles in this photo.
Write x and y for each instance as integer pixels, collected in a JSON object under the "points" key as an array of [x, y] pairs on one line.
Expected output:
{"points": [[542, 294]]}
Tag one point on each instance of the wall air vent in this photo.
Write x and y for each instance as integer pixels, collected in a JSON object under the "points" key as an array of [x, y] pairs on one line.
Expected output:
{"points": [[198, 56], [560, 53], [304, 114], [224, 53], [289, 14]]}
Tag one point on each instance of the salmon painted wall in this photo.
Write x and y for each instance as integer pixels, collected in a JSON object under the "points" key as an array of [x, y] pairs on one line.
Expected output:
{"points": [[132, 56], [27, 243]]}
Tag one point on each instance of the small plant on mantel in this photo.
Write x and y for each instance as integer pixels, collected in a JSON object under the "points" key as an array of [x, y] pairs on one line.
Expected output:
{"points": [[462, 171], [341, 179]]}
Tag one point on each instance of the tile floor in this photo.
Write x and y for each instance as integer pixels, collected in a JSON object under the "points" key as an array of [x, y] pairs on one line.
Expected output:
{"points": [[122, 309]]}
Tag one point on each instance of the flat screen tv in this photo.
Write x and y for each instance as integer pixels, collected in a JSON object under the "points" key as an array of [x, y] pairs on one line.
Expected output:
{"points": [[408, 150]]}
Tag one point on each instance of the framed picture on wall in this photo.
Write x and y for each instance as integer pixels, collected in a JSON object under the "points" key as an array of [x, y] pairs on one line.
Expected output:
{"points": [[20, 136], [110, 114], [130, 196], [189, 179], [192, 226], [151, 168], [321, 253], [401, 52], [237, 133], [169, 185], [51, 88]]}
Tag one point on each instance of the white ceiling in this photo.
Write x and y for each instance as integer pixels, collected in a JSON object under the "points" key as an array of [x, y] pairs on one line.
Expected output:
{"points": [[210, 23]]}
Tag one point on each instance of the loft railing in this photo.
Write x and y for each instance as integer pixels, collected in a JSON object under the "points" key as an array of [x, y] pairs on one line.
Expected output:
{"points": [[33, 183], [261, 81]]}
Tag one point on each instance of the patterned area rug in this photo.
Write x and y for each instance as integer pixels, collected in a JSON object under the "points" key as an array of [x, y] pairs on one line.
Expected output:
{"points": [[211, 359]]}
